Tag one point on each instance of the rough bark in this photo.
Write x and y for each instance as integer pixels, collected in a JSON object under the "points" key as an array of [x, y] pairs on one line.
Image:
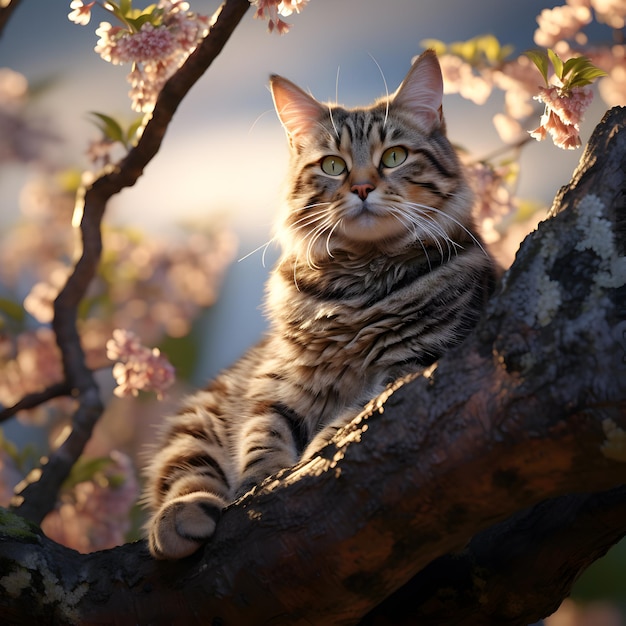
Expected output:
{"points": [[449, 491]]}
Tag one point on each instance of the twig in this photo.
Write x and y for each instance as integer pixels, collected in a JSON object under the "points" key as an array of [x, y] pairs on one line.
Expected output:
{"points": [[38, 491], [35, 399]]}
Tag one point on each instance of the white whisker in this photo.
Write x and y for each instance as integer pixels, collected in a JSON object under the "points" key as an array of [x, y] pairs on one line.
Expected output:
{"points": [[424, 223], [407, 221], [380, 69], [454, 221], [330, 234], [265, 246], [332, 121]]}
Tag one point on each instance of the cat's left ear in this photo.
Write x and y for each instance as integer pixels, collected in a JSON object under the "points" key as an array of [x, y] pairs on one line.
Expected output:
{"points": [[297, 110], [421, 91]]}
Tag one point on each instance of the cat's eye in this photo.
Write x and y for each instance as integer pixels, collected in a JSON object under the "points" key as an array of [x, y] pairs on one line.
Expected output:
{"points": [[333, 165], [392, 157]]}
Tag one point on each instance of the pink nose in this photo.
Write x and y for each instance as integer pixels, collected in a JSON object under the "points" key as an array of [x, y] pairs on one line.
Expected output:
{"points": [[362, 190]]}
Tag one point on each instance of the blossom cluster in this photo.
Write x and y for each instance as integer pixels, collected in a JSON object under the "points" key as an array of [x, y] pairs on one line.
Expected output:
{"points": [[474, 68], [271, 10], [563, 114], [151, 286], [94, 514], [137, 367], [156, 42], [93, 509]]}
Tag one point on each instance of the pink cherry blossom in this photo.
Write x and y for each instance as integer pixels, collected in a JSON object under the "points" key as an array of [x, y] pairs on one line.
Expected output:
{"points": [[138, 368], [611, 12], [81, 14], [271, 9], [155, 51], [459, 77], [563, 114], [95, 514], [561, 22]]}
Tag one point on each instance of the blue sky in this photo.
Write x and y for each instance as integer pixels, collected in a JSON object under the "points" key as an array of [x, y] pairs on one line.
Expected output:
{"points": [[225, 152]]}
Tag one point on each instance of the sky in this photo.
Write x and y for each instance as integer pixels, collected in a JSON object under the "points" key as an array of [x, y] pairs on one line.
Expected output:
{"points": [[225, 152]]}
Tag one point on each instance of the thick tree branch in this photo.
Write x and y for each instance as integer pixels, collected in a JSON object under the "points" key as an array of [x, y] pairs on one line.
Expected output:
{"points": [[513, 573], [532, 406], [37, 494]]}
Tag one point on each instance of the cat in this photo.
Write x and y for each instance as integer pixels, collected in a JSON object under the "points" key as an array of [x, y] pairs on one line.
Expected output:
{"points": [[381, 272]]}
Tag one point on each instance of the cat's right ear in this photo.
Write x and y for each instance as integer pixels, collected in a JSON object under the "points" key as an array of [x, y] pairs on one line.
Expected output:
{"points": [[297, 110]]}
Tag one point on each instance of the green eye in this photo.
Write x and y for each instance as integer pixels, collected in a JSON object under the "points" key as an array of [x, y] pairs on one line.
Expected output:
{"points": [[392, 157], [333, 165]]}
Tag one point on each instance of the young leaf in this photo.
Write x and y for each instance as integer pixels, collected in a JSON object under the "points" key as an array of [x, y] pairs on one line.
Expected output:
{"points": [[539, 58], [585, 77], [86, 469], [12, 309], [435, 44], [556, 63], [109, 127], [126, 6]]}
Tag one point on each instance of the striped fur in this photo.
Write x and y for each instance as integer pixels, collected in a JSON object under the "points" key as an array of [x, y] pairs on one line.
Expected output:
{"points": [[381, 272]]}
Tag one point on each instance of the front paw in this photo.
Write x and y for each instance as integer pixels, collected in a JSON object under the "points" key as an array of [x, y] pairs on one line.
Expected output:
{"points": [[183, 524]]}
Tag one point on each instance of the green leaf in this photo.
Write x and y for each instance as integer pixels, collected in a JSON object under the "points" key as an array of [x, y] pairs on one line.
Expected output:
{"points": [[490, 47], [580, 80], [557, 64], [582, 72], [86, 469], [12, 309], [575, 63], [109, 127], [540, 59], [506, 51], [126, 6], [435, 44], [467, 50]]}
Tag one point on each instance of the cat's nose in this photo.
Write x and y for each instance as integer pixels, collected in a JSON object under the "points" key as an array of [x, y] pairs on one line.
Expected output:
{"points": [[362, 189]]}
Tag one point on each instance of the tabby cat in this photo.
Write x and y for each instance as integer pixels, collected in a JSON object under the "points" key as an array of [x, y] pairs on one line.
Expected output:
{"points": [[381, 272]]}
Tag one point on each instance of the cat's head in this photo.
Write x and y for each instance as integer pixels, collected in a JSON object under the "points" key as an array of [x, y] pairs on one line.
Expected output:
{"points": [[382, 177]]}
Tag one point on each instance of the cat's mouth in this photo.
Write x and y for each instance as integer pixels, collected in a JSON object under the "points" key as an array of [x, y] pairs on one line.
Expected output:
{"points": [[371, 222]]}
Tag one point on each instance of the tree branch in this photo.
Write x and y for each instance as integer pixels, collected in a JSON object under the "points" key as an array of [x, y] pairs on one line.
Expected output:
{"points": [[532, 406], [32, 400], [37, 493]]}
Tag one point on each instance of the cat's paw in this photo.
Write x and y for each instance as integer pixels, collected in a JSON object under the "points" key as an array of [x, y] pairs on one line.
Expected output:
{"points": [[183, 524]]}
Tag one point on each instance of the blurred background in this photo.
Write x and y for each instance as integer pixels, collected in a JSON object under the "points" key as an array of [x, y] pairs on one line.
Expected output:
{"points": [[225, 153], [221, 167]]}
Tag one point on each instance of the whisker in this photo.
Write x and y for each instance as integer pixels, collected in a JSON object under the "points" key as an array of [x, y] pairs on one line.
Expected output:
{"points": [[265, 246], [308, 219], [330, 234], [332, 121], [316, 234], [382, 75], [453, 220], [432, 229], [405, 220]]}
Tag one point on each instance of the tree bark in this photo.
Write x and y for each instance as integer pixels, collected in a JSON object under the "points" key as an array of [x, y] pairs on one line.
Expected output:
{"points": [[448, 495]]}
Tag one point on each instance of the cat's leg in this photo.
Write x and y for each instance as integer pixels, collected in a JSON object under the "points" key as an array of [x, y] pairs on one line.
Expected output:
{"points": [[189, 481], [270, 440], [323, 437]]}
